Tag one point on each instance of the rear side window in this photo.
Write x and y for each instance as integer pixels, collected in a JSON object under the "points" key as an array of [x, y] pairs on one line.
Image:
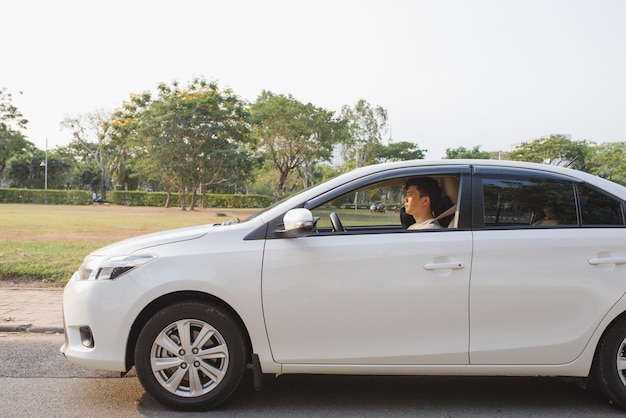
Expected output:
{"points": [[528, 202], [599, 209]]}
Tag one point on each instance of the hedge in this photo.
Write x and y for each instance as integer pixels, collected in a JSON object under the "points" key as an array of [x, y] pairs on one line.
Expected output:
{"points": [[136, 198], [51, 197], [129, 198]]}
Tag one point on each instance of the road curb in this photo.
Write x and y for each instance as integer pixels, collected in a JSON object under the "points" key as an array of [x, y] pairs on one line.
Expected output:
{"points": [[29, 328]]}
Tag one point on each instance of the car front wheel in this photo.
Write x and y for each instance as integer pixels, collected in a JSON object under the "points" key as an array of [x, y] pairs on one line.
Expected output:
{"points": [[190, 356], [609, 370]]}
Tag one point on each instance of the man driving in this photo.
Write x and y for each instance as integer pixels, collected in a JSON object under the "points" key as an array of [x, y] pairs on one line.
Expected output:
{"points": [[422, 194]]}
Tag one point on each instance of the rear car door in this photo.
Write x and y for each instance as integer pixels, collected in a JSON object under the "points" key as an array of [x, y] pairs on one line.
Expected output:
{"points": [[546, 266]]}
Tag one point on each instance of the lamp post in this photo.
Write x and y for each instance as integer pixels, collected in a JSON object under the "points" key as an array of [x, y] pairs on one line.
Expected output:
{"points": [[45, 165]]}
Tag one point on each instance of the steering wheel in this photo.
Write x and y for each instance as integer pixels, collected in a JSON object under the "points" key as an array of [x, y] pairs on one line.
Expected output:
{"points": [[334, 220]]}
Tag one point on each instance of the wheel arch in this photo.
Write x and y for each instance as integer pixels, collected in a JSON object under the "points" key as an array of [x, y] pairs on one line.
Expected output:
{"points": [[175, 297], [607, 329]]}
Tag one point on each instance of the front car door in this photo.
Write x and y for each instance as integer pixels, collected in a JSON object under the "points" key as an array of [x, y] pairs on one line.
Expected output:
{"points": [[375, 294]]}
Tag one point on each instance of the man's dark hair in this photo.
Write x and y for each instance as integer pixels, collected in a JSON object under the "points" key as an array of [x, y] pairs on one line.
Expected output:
{"points": [[427, 186]]}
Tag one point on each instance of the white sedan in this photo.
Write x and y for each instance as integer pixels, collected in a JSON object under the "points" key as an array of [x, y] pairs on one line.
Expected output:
{"points": [[526, 276]]}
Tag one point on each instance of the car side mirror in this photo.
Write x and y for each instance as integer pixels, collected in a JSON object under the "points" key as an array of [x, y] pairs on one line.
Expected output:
{"points": [[298, 223]]}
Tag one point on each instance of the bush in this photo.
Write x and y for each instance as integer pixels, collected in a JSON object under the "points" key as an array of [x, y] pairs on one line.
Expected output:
{"points": [[129, 198], [135, 198], [52, 197]]}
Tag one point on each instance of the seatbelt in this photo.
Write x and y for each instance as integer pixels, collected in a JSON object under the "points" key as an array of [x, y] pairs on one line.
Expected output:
{"points": [[446, 212]]}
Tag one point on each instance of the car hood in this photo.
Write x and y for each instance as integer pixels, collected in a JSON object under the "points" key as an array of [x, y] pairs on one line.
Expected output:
{"points": [[131, 245]]}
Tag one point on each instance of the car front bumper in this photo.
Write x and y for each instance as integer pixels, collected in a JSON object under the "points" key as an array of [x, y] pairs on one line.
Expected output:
{"points": [[97, 317]]}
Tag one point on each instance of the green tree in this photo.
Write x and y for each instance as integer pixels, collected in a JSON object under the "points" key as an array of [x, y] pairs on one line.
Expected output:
{"points": [[24, 170], [12, 141], [607, 161], [189, 137], [464, 153], [27, 170], [91, 136], [399, 151], [366, 127], [83, 172], [87, 176], [294, 137], [132, 143], [555, 150]]}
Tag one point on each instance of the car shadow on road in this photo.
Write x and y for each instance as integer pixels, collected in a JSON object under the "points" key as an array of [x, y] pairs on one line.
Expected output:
{"points": [[304, 395]]}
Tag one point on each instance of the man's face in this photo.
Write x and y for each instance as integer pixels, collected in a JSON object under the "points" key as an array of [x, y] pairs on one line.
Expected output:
{"points": [[414, 202]]}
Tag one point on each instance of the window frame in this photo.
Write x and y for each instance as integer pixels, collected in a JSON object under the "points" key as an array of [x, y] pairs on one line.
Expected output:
{"points": [[605, 194], [463, 172]]}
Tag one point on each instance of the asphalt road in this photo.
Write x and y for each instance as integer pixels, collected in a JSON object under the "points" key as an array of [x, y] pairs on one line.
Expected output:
{"points": [[35, 380]]}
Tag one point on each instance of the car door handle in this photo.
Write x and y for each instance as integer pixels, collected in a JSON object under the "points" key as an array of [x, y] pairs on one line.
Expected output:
{"points": [[595, 261], [455, 265]]}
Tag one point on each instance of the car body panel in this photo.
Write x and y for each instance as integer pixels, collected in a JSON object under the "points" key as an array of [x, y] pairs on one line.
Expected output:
{"points": [[368, 299], [220, 264], [536, 291], [109, 308]]}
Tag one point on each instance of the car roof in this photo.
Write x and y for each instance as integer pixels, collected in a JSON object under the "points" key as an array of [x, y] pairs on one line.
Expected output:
{"points": [[605, 184]]}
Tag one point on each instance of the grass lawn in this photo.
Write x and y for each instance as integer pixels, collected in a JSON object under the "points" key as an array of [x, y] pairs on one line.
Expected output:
{"points": [[46, 243]]}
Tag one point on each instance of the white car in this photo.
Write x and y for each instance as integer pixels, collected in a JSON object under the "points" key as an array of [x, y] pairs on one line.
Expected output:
{"points": [[526, 277]]}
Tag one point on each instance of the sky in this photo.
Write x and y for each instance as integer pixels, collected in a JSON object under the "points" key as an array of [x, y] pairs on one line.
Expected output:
{"points": [[450, 73]]}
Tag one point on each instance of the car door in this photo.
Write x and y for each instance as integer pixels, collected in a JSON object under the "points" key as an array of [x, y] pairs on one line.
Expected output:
{"points": [[375, 295], [540, 286]]}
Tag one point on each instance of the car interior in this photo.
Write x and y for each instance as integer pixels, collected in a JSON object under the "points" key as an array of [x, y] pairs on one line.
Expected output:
{"points": [[379, 206]]}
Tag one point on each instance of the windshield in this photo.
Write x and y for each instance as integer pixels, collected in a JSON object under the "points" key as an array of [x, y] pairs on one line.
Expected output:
{"points": [[272, 206], [311, 190], [291, 197]]}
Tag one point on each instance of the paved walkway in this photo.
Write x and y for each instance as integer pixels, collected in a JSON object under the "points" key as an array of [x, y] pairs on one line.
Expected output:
{"points": [[31, 309]]}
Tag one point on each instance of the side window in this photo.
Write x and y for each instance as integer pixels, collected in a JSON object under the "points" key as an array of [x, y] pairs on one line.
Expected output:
{"points": [[528, 202], [374, 206], [599, 209], [380, 205]]}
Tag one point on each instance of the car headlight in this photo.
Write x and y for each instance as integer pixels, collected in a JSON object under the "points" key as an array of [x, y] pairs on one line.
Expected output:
{"points": [[109, 268]]}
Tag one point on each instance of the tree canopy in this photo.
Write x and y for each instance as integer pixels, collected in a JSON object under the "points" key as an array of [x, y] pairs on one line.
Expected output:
{"points": [[366, 127], [555, 150], [464, 153], [294, 136], [12, 140], [187, 137], [607, 160], [91, 137], [399, 151]]}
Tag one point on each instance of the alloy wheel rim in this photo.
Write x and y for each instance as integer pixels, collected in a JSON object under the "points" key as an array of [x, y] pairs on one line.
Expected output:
{"points": [[189, 358]]}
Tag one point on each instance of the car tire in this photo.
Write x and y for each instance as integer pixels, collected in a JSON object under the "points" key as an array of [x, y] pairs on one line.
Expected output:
{"points": [[190, 356], [609, 368]]}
